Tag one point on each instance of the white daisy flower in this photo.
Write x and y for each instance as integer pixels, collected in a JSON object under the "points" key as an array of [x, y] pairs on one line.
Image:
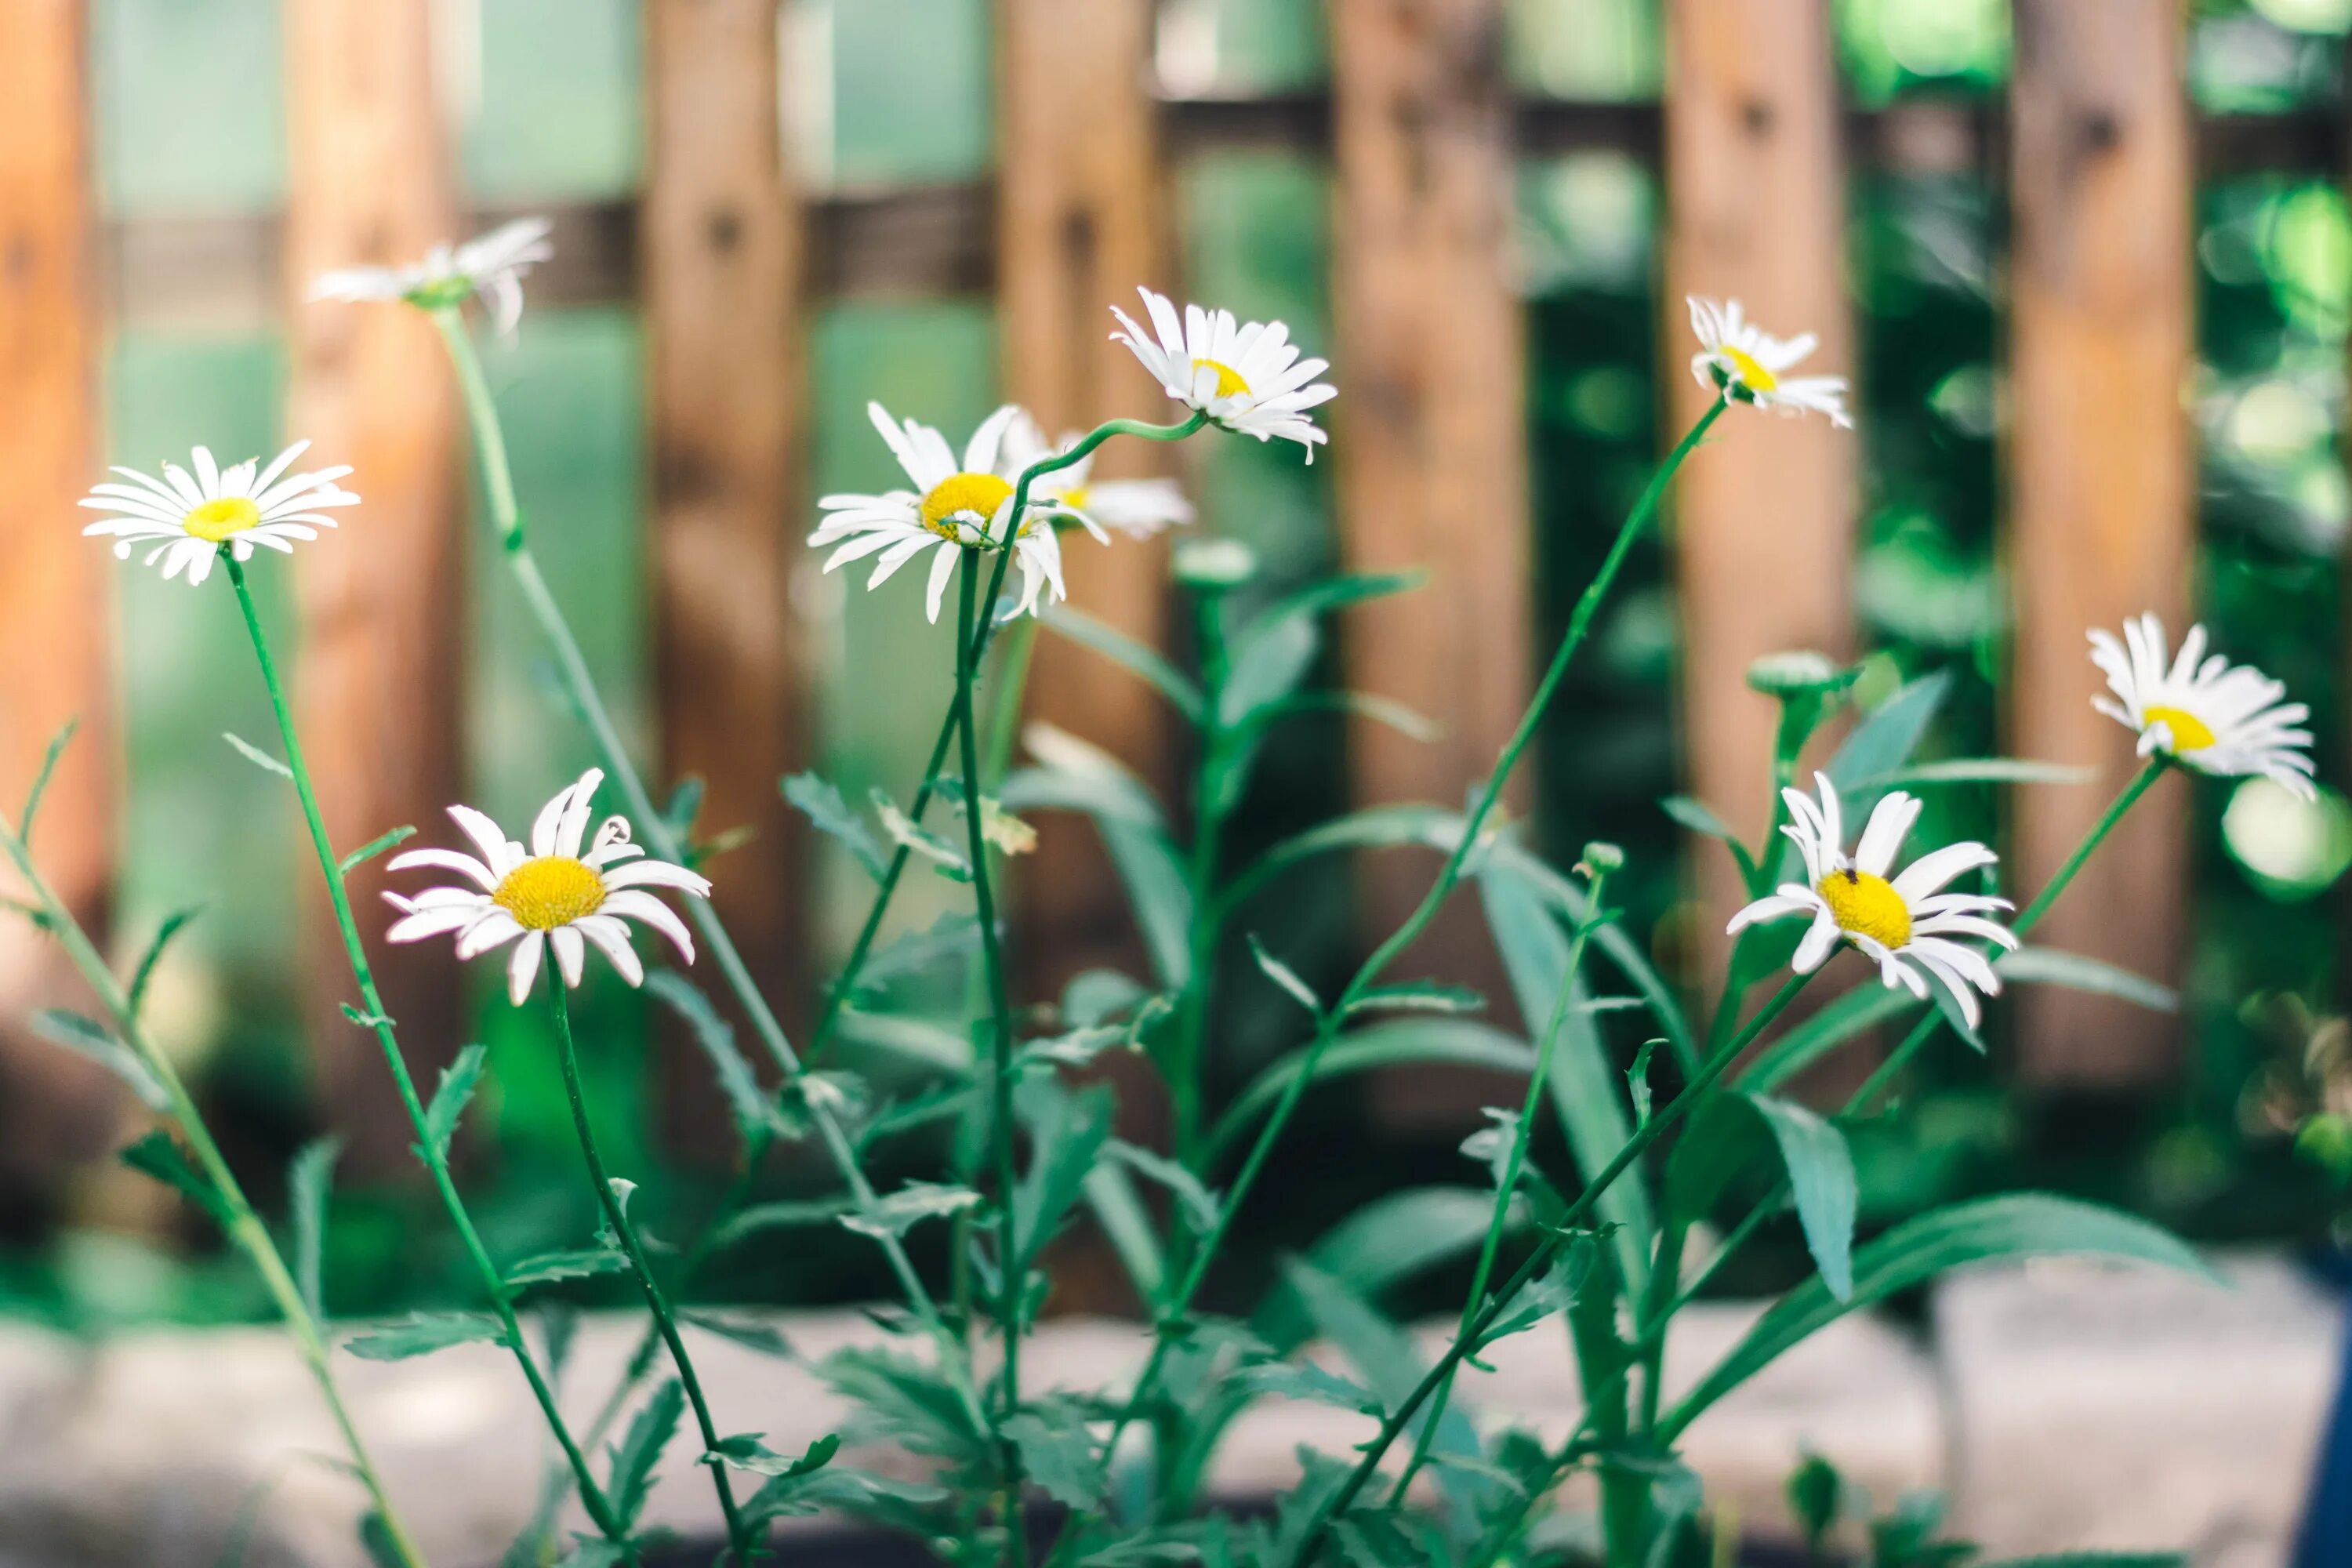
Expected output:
{"points": [[2216, 717], [952, 508], [192, 515], [1136, 508], [1249, 379], [1904, 925], [551, 896], [1747, 364], [491, 265]]}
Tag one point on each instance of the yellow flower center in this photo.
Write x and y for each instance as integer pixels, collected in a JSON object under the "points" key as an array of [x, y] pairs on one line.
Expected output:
{"points": [[551, 891], [217, 520], [1075, 498], [1865, 905], [1229, 380], [1746, 372], [2190, 733], [979, 494]]}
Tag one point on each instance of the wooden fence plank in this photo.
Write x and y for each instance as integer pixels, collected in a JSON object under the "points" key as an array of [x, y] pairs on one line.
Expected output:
{"points": [[381, 601], [1429, 431], [1078, 229], [54, 596], [723, 255], [1764, 517], [2101, 481]]}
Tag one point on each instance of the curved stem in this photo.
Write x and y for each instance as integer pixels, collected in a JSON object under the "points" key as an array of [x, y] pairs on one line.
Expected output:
{"points": [[738, 1535], [435, 1159], [241, 1222]]}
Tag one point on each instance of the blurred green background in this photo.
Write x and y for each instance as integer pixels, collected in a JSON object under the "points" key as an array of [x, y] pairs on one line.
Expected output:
{"points": [[546, 93]]}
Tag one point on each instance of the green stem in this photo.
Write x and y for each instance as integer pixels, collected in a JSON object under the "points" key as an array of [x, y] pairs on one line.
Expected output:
{"points": [[738, 1535], [1205, 931], [435, 1159], [1507, 1185], [244, 1225], [1011, 1256], [1580, 624]]}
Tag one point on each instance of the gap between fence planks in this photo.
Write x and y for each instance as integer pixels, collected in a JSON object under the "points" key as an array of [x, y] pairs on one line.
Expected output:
{"points": [[56, 594], [724, 259], [1764, 514], [2100, 482], [1429, 434], [382, 602]]}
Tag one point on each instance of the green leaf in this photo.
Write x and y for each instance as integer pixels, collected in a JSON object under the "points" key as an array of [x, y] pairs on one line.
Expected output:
{"points": [[2076, 971], [1129, 655], [1331, 594], [1412, 725], [1067, 1134], [377, 1540], [685, 804], [1268, 665], [951, 936], [1398, 1042], [903, 1398], [746, 1103], [88, 1038], [838, 1489], [1700, 818], [142, 976], [458, 1082], [1282, 974], [1561, 1287], [752, 1334], [1855, 1014], [816, 799], [1118, 1209], [2096, 1560], [1305, 1381], [640, 1450], [910, 835], [1085, 777], [575, 1263], [1394, 1237], [57, 748], [1196, 1203], [308, 1181], [422, 1334], [159, 1155], [1813, 1152], [372, 849], [748, 1453], [1057, 1454], [1978, 770], [257, 757], [1885, 738], [1374, 827], [1418, 996], [2023, 1225], [784, 1215], [901, 1211]]}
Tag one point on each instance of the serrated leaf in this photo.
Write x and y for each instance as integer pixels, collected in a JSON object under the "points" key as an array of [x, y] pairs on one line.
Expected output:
{"points": [[48, 770], [748, 1453], [1307, 1381], [257, 757], [573, 1263], [372, 849], [1067, 1133], [752, 1335], [816, 799], [910, 835], [1282, 974], [422, 1334], [640, 1450], [1058, 1455], [159, 1155], [87, 1038], [911, 1204], [458, 1082], [144, 976], [745, 1101], [308, 1182], [1129, 655], [953, 935]]}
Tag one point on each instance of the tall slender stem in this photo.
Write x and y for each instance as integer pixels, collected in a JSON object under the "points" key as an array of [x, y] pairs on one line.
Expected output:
{"points": [[244, 1225], [1205, 931], [1580, 624], [436, 1161], [617, 1215], [1539, 1260], [1507, 1184]]}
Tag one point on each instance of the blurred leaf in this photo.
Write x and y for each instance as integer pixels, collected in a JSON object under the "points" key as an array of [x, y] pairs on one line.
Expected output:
{"points": [[1118, 1210], [2020, 1225], [908, 834], [640, 1451], [752, 1335], [911, 1204], [1268, 665], [782, 1215], [1057, 1454], [1418, 996], [158, 1154], [748, 1453], [1558, 1288], [1282, 974], [1979, 769], [1700, 818], [1374, 827], [953, 935], [1397, 1042], [1331, 594], [907, 1400], [817, 799], [746, 1103], [2077, 971], [1130, 656], [376, 1539], [684, 803], [458, 1082], [310, 1178], [422, 1334], [1197, 1203], [257, 757], [88, 1038], [144, 976], [1391, 1238], [1306, 1381], [1067, 1133], [1080, 777], [57, 748], [372, 849], [1412, 726], [577, 1263], [1574, 907]]}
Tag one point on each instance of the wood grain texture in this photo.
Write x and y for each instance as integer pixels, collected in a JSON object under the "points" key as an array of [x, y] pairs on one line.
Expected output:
{"points": [[382, 599], [1429, 433], [2101, 476], [723, 260], [1764, 513], [56, 595], [1080, 200]]}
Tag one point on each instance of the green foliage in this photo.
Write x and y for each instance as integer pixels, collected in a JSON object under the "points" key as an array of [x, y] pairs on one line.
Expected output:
{"points": [[158, 1154], [631, 1479], [829, 814], [309, 1184], [87, 1038], [459, 1080], [422, 1334]]}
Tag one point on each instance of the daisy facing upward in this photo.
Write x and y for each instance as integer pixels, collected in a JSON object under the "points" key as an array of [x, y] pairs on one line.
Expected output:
{"points": [[1906, 924]]}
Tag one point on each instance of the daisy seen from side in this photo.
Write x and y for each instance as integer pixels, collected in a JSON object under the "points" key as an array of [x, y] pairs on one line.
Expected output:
{"points": [[2201, 709], [1745, 364], [491, 265], [1246, 377], [191, 514]]}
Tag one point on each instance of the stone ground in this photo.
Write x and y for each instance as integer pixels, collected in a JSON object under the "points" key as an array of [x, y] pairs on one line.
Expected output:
{"points": [[2060, 1406]]}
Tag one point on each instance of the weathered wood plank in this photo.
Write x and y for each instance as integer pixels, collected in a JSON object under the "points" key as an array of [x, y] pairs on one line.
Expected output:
{"points": [[382, 600], [2101, 483], [1078, 229], [723, 258], [1764, 517], [1429, 431], [56, 594]]}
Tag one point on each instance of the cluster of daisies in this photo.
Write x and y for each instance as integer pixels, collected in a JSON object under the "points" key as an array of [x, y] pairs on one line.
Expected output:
{"points": [[569, 892]]}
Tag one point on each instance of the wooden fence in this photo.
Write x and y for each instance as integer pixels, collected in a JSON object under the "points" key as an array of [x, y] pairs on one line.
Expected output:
{"points": [[726, 257]]}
